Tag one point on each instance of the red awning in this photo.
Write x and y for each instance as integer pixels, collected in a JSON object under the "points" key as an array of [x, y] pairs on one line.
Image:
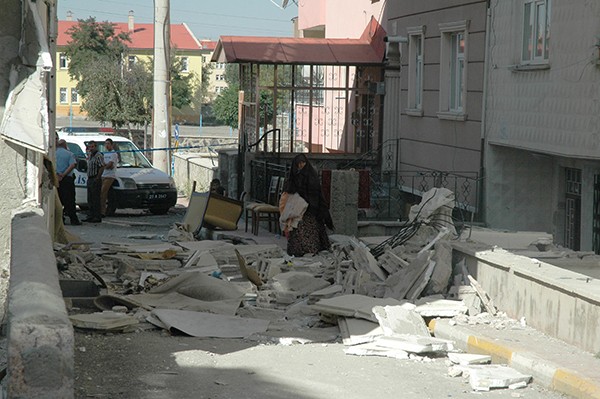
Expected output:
{"points": [[368, 50]]}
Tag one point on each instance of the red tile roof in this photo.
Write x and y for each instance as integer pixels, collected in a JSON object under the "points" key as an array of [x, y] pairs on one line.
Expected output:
{"points": [[142, 37], [369, 49], [208, 44]]}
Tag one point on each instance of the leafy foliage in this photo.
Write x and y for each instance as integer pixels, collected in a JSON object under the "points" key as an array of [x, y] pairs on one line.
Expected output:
{"points": [[111, 89], [225, 106], [181, 84]]}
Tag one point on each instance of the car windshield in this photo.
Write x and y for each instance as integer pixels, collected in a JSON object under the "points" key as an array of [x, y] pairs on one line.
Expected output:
{"points": [[129, 155], [76, 150]]}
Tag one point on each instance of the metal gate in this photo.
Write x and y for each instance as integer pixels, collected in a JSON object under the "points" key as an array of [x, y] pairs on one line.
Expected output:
{"points": [[572, 208]]}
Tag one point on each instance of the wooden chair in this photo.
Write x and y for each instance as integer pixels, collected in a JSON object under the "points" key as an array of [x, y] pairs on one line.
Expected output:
{"points": [[269, 211]]}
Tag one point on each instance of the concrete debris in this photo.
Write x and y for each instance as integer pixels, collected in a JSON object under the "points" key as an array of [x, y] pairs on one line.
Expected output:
{"points": [[486, 377], [429, 307], [104, 321], [398, 285], [353, 306], [357, 331], [414, 344], [372, 349], [327, 292], [201, 324], [465, 359], [400, 320], [485, 298]]}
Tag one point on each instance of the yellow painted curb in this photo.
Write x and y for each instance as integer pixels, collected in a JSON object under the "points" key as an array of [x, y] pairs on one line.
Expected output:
{"points": [[566, 382], [483, 346]]}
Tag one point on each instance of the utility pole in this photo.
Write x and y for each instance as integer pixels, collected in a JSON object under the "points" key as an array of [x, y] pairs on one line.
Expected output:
{"points": [[161, 110]]}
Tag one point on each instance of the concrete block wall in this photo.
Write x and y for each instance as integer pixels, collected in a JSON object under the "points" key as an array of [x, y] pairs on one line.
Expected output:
{"points": [[192, 167], [344, 201], [40, 335], [558, 302]]}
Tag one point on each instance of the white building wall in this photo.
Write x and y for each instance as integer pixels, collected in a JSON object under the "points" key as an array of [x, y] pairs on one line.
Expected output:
{"points": [[541, 121], [556, 110]]}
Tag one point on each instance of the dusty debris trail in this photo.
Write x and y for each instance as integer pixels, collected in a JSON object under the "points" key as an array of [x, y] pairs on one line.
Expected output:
{"points": [[181, 319]]}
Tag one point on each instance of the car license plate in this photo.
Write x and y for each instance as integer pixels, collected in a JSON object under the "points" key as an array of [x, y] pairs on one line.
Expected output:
{"points": [[157, 196]]}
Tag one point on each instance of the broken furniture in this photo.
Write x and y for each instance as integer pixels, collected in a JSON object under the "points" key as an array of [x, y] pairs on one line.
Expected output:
{"points": [[222, 212], [212, 211], [269, 211]]}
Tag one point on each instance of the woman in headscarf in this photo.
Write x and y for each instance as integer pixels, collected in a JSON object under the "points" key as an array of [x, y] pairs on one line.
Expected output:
{"points": [[310, 236]]}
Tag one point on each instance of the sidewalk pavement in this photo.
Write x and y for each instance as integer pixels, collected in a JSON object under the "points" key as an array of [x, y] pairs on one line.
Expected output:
{"points": [[552, 363]]}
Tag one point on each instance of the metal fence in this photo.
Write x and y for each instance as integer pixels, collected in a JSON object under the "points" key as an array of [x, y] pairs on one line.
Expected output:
{"points": [[392, 193]]}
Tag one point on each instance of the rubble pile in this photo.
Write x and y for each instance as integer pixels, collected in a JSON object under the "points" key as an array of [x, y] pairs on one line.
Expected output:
{"points": [[375, 305]]}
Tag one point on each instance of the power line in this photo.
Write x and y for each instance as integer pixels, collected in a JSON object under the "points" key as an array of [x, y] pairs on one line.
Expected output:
{"points": [[199, 25]]}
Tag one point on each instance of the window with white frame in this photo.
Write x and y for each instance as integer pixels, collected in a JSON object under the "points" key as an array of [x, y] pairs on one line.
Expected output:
{"points": [[63, 95], [185, 64], [453, 70], [63, 61], [536, 30], [131, 60], [74, 96], [416, 44]]}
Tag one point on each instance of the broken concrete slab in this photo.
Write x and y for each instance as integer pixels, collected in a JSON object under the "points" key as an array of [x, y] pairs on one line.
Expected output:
{"points": [[371, 349], [358, 331], [360, 306], [176, 300], [298, 336], [391, 263], [142, 248], [104, 321], [300, 282], [327, 292], [363, 258], [440, 308], [414, 344], [486, 377], [201, 324], [143, 264], [400, 283], [199, 286], [465, 359], [438, 282], [401, 320]]}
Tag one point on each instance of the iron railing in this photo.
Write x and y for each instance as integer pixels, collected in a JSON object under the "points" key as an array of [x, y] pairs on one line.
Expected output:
{"points": [[392, 194], [261, 173]]}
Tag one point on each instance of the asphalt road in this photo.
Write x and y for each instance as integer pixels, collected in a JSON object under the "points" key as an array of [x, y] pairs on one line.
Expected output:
{"points": [[184, 130], [152, 363]]}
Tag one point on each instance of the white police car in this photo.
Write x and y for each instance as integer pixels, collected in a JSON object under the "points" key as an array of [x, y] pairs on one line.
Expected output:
{"points": [[138, 184]]}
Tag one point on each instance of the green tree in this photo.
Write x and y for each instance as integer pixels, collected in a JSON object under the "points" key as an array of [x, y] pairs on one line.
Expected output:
{"points": [[225, 106], [111, 89], [182, 85]]}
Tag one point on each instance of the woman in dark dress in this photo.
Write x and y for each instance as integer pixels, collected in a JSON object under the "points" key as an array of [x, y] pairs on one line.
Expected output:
{"points": [[310, 237]]}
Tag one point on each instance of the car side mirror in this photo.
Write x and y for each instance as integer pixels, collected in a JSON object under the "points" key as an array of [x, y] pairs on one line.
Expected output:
{"points": [[82, 165]]}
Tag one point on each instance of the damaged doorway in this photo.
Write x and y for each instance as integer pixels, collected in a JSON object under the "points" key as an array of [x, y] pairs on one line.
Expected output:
{"points": [[573, 208]]}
